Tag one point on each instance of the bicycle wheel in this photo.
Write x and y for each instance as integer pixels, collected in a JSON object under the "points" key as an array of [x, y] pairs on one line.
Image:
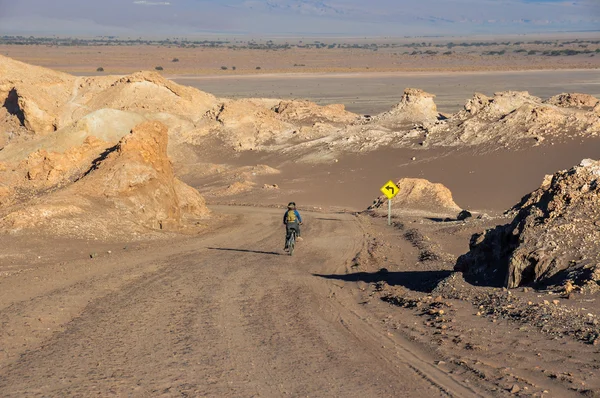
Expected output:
{"points": [[292, 243]]}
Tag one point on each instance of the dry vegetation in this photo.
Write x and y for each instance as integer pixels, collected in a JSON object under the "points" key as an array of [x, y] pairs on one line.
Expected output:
{"points": [[243, 56]]}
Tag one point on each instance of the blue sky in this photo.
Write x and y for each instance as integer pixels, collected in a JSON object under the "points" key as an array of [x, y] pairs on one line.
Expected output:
{"points": [[296, 17]]}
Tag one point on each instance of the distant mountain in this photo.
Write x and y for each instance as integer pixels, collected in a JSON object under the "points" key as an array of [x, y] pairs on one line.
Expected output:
{"points": [[302, 7], [295, 17]]}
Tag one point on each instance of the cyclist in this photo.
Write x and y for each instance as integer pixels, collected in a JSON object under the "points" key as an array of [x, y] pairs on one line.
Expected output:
{"points": [[292, 221]]}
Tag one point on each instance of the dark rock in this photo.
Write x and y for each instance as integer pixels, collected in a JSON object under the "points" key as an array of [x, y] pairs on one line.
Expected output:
{"points": [[463, 215], [552, 227]]}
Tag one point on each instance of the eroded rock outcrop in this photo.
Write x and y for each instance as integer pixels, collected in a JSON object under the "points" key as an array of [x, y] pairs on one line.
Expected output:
{"points": [[553, 238], [11, 126], [306, 112], [512, 118], [130, 190], [415, 106], [148, 93], [244, 125]]}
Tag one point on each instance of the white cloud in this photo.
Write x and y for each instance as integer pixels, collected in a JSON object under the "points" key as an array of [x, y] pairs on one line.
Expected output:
{"points": [[152, 3]]}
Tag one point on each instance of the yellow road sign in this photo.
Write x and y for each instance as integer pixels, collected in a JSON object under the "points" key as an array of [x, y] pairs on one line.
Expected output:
{"points": [[389, 189]]}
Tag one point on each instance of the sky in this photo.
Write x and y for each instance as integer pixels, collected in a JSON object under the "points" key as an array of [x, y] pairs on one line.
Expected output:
{"points": [[190, 18]]}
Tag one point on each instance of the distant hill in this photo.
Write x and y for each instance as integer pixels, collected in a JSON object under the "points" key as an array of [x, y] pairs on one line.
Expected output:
{"points": [[316, 17]]}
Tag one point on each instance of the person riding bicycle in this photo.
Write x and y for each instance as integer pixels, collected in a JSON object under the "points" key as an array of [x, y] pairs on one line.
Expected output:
{"points": [[292, 222]]}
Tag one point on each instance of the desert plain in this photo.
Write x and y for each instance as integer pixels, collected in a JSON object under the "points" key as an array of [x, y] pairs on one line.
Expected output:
{"points": [[140, 218]]}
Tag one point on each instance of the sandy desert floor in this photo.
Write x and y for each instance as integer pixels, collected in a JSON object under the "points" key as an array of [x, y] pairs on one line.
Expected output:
{"points": [[375, 92], [480, 181], [222, 61]]}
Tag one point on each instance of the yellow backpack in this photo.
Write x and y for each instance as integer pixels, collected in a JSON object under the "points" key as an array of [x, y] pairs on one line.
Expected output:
{"points": [[291, 216]]}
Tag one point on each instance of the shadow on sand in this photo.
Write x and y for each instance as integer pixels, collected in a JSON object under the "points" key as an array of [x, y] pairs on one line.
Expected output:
{"points": [[420, 281], [439, 219], [243, 251]]}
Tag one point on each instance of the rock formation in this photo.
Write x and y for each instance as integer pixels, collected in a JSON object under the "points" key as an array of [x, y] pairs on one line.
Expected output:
{"points": [[553, 238], [515, 118], [420, 194], [34, 95], [130, 189], [244, 125], [309, 113], [415, 106]]}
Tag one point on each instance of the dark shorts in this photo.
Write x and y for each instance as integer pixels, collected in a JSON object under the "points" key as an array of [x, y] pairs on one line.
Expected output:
{"points": [[292, 226]]}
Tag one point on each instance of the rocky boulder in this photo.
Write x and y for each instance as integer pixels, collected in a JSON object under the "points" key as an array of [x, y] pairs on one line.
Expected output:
{"points": [[464, 215], [511, 118], [554, 236]]}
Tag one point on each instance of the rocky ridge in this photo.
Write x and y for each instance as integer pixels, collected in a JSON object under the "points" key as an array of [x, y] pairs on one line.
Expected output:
{"points": [[515, 119], [310, 132], [552, 240], [53, 125]]}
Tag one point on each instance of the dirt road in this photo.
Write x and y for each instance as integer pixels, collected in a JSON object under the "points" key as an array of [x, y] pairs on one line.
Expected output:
{"points": [[223, 315]]}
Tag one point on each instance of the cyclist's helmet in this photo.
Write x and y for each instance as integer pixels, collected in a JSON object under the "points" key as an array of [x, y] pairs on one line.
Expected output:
{"points": [[292, 205]]}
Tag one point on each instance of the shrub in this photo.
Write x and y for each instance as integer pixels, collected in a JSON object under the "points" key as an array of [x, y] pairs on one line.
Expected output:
{"points": [[223, 67], [233, 67], [175, 60], [100, 69], [159, 68], [258, 68]]}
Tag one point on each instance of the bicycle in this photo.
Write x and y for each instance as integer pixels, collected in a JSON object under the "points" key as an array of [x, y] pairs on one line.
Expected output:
{"points": [[291, 242]]}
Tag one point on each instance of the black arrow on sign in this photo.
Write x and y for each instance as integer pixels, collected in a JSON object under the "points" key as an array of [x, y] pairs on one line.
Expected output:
{"points": [[390, 189]]}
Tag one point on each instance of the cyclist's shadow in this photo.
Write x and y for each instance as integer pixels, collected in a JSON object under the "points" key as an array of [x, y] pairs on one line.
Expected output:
{"points": [[243, 251]]}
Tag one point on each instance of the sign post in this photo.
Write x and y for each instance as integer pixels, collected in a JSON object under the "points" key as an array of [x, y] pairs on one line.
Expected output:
{"points": [[390, 190]]}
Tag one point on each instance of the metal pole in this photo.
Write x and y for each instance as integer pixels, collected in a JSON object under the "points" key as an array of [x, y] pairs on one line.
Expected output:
{"points": [[389, 212]]}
